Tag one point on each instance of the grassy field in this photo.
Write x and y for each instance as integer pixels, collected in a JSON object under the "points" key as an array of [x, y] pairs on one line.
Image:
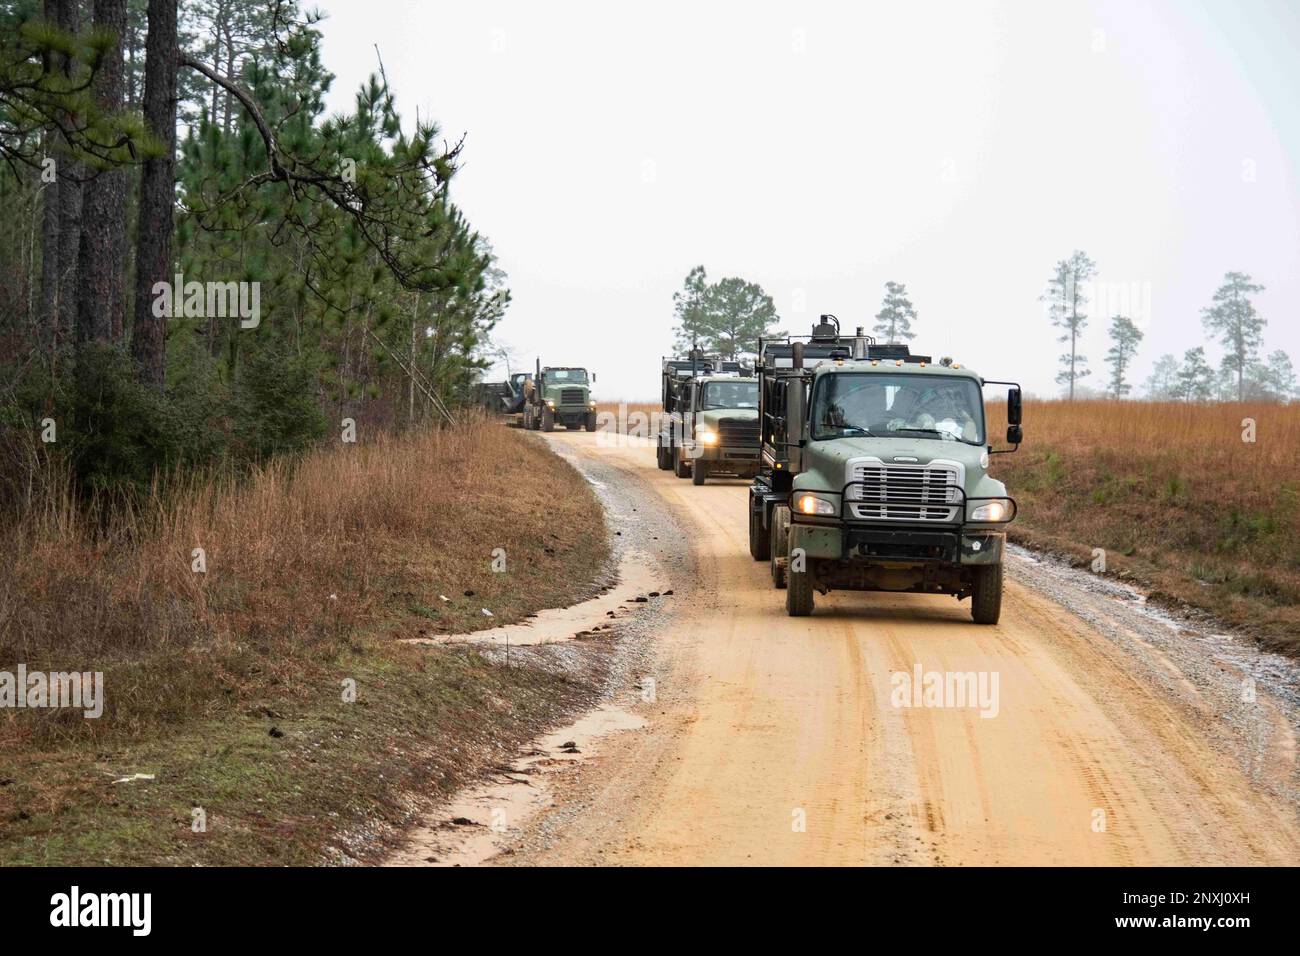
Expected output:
{"points": [[1175, 497], [228, 686]]}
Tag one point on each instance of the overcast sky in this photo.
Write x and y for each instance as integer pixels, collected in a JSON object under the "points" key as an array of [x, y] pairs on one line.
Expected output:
{"points": [[820, 149]]}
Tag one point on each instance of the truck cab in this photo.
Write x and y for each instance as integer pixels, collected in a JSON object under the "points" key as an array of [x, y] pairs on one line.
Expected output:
{"points": [[559, 394], [711, 425], [874, 473]]}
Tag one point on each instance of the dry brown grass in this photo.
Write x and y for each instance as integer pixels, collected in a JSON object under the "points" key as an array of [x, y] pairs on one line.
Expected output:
{"points": [[1175, 497], [300, 558]]}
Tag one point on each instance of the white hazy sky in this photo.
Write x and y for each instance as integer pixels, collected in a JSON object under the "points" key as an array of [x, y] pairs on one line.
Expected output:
{"points": [[821, 149]]}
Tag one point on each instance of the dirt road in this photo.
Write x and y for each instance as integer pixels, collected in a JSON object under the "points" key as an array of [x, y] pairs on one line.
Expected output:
{"points": [[1114, 737]]}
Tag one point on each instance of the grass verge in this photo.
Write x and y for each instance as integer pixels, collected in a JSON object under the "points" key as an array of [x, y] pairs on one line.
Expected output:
{"points": [[228, 687], [1177, 497]]}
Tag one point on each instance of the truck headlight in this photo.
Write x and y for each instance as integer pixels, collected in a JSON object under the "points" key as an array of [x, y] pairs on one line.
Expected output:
{"points": [[550, 403], [992, 511], [809, 504], [706, 437]]}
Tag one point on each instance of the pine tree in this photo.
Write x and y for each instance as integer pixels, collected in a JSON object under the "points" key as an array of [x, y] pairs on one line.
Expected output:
{"points": [[689, 309], [1125, 336], [1239, 327], [1065, 298], [1162, 383], [738, 314], [1195, 377], [896, 315]]}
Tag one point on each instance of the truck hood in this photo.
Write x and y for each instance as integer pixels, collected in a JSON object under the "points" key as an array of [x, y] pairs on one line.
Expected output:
{"points": [[714, 416], [829, 458], [553, 391]]}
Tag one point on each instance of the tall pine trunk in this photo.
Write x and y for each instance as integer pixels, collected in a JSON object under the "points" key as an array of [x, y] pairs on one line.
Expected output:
{"points": [[68, 16], [102, 257], [157, 192]]}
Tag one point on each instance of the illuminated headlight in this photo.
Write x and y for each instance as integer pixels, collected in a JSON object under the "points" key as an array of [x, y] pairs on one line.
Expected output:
{"points": [[706, 437], [592, 404], [991, 511], [550, 402], [812, 505]]}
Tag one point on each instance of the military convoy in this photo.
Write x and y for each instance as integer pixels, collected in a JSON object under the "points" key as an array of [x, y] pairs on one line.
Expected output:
{"points": [[873, 473], [710, 421], [869, 464]]}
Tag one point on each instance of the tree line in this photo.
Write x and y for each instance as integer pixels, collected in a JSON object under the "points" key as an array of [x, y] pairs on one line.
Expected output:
{"points": [[1230, 319], [727, 318], [132, 254]]}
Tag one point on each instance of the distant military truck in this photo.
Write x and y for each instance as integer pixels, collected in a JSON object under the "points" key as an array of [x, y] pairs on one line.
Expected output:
{"points": [[710, 425], [559, 394], [875, 473]]}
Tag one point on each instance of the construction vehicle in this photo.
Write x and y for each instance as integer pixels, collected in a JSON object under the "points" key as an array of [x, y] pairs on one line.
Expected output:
{"points": [[504, 398], [559, 394], [874, 472], [710, 425]]}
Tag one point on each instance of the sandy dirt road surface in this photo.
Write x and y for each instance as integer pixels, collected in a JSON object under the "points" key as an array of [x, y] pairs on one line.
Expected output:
{"points": [[1117, 737]]}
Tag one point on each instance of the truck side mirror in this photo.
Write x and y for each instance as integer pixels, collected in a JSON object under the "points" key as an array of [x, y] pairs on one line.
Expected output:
{"points": [[1015, 434], [593, 378], [1013, 407]]}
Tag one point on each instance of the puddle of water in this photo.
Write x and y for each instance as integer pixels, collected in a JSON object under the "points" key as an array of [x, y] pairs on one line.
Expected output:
{"points": [[478, 823], [637, 576]]}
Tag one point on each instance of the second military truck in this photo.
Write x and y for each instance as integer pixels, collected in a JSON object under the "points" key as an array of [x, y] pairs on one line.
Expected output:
{"points": [[710, 422], [874, 473]]}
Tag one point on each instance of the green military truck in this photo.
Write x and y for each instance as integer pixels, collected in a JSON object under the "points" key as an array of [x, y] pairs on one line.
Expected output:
{"points": [[559, 394], [874, 473], [710, 425]]}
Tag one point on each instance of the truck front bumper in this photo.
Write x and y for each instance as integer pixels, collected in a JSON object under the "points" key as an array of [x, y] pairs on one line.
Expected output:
{"points": [[744, 454], [879, 544]]}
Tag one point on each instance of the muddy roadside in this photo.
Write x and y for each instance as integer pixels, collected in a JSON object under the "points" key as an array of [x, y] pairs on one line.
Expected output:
{"points": [[604, 644]]}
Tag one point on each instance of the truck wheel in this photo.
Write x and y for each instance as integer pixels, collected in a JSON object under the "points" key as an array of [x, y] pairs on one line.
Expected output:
{"points": [[664, 457], [699, 471], [681, 464], [591, 421], [780, 545], [548, 420], [986, 596], [799, 593], [760, 545]]}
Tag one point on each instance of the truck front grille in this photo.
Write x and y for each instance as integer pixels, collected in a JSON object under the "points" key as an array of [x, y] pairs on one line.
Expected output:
{"points": [[905, 492], [572, 396], [733, 431]]}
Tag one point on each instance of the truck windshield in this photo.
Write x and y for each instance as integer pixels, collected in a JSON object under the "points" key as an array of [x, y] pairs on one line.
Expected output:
{"points": [[729, 395], [570, 376], [881, 405]]}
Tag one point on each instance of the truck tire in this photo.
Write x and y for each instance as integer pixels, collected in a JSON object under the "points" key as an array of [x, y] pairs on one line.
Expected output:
{"points": [[986, 594], [548, 420], [591, 421], [664, 457], [780, 545], [760, 545], [681, 464], [699, 471], [799, 593]]}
